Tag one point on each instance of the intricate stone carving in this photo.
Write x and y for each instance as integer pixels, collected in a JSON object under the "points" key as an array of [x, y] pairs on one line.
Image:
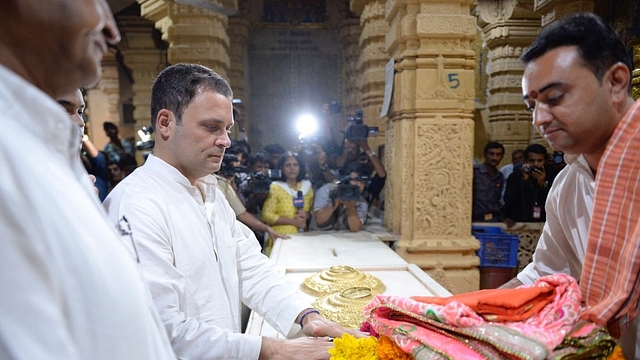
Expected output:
{"points": [[440, 177], [443, 24], [491, 11], [553, 10]]}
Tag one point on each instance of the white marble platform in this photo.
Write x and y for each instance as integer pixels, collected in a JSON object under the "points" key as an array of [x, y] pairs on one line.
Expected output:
{"points": [[322, 249], [307, 253]]}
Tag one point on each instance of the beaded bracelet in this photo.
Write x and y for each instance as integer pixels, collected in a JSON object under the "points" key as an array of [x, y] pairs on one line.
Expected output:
{"points": [[311, 311]]}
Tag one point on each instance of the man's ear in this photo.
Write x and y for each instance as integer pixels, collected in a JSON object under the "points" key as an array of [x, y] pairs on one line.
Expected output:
{"points": [[619, 78], [165, 122]]}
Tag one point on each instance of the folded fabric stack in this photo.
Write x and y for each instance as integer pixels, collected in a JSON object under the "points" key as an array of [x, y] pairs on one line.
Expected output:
{"points": [[541, 321]]}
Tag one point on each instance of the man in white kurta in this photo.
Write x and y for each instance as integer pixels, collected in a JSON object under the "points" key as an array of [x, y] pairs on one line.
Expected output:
{"points": [[201, 263], [70, 289]]}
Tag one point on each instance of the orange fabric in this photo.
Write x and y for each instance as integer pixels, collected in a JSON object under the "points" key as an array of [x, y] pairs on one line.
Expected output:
{"points": [[609, 282], [500, 304]]}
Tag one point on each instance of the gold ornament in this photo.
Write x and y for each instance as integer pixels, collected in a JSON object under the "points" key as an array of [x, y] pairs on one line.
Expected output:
{"points": [[338, 278], [345, 307]]}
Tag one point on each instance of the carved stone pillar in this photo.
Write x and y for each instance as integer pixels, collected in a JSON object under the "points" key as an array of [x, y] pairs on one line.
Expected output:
{"points": [[103, 101], [508, 28], [372, 61], [552, 10], [195, 35], [239, 29], [349, 33], [429, 141], [144, 60]]}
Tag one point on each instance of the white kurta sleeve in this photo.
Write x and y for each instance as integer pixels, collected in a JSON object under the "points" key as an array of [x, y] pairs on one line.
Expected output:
{"points": [[264, 287]]}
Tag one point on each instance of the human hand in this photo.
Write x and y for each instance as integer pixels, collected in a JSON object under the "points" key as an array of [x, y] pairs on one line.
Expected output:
{"points": [[300, 222], [303, 214], [276, 235], [363, 144], [540, 175], [299, 348], [317, 325]]}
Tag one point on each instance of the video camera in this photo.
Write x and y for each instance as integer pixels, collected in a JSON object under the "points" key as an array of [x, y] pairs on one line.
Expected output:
{"points": [[261, 182], [308, 145], [346, 191], [357, 130], [226, 169]]}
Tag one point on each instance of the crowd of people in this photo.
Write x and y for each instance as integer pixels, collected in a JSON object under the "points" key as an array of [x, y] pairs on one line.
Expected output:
{"points": [[316, 186], [516, 192], [164, 273]]}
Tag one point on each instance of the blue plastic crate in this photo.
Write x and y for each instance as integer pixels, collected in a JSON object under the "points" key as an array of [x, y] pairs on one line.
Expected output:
{"points": [[497, 248], [487, 230]]}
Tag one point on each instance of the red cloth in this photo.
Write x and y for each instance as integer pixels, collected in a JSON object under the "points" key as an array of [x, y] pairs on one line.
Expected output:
{"points": [[500, 305]]}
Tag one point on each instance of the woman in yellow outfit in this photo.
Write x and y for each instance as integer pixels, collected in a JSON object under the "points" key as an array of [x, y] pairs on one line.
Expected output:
{"points": [[288, 205]]}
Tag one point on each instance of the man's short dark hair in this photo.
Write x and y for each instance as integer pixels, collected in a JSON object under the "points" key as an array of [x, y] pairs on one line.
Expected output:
{"points": [[177, 85], [274, 149], [356, 167], [493, 145], [598, 44], [258, 157], [536, 149]]}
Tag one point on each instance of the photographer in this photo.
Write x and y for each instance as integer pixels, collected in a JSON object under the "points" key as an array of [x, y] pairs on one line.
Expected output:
{"points": [[527, 188], [342, 206], [356, 148], [225, 183]]}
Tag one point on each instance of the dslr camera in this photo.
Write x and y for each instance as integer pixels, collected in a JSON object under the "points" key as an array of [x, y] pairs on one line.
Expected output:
{"points": [[261, 182], [357, 130], [528, 168], [346, 191]]}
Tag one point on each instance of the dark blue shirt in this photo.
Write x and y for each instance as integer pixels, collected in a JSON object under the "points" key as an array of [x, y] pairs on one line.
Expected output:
{"points": [[487, 191]]}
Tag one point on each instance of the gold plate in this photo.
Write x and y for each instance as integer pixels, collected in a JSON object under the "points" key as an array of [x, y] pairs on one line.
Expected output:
{"points": [[338, 278]]}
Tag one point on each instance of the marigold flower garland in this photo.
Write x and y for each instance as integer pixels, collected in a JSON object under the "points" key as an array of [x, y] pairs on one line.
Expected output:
{"points": [[348, 347], [616, 354]]}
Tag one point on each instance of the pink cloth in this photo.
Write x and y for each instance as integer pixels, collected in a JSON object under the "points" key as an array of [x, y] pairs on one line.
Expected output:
{"points": [[455, 328]]}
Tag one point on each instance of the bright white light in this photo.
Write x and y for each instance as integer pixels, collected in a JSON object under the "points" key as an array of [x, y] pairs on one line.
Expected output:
{"points": [[306, 125]]}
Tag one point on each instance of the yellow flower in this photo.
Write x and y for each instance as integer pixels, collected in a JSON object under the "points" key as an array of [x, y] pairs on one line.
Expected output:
{"points": [[348, 347]]}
